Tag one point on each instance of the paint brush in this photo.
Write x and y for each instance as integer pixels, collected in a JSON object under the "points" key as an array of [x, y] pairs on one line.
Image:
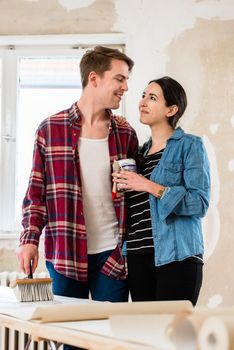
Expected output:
{"points": [[32, 289]]}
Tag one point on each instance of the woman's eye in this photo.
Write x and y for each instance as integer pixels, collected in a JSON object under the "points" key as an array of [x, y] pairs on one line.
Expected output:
{"points": [[152, 98]]}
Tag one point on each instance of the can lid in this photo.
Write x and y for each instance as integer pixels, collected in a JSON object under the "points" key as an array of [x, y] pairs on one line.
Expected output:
{"points": [[127, 161]]}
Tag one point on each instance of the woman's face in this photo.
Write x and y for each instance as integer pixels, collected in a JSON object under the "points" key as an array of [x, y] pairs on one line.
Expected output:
{"points": [[152, 106]]}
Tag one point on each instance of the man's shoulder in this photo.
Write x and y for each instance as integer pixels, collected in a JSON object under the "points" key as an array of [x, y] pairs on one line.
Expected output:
{"points": [[58, 118], [122, 124]]}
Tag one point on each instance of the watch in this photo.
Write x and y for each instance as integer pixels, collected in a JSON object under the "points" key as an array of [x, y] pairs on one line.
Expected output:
{"points": [[161, 192]]}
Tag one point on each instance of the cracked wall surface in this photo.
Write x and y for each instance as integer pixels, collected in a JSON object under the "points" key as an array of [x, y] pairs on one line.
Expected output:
{"points": [[55, 17]]}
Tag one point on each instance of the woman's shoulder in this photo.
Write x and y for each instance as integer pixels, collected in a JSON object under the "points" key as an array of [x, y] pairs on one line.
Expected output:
{"points": [[189, 137]]}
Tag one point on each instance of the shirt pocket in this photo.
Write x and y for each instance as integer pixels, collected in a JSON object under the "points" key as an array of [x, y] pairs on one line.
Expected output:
{"points": [[173, 173]]}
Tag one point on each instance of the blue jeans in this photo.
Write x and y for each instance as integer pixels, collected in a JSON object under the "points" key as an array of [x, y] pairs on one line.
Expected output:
{"points": [[100, 286]]}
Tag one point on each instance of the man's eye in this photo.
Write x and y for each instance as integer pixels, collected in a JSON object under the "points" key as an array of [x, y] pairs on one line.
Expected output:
{"points": [[120, 79], [153, 98]]}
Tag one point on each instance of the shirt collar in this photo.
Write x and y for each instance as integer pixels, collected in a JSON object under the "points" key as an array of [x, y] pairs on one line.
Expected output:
{"points": [[75, 115], [177, 134]]}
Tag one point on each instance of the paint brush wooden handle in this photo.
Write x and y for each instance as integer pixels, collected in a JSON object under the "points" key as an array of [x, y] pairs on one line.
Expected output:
{"points": [[116, 170], [30, 267]]}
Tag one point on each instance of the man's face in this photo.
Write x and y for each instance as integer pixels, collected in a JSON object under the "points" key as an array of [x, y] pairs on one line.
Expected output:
{"points": [[112, 85]]}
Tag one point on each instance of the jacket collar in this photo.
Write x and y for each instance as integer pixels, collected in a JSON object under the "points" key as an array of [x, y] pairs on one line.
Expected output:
{"points": [[177, 134]]}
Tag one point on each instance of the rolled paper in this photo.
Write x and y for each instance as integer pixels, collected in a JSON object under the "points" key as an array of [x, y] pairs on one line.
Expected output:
{"points": [[217, 333], [186, 328]]}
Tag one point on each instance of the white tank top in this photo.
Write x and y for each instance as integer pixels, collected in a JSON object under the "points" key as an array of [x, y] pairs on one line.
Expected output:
{"points": [[99, 213]]}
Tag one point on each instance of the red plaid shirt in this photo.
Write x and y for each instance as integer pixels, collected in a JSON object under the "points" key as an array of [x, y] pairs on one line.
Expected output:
{"points": [[54, 197]]}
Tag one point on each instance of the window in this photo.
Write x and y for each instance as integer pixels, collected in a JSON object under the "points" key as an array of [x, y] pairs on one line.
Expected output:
{"points": [[46, 85], [35, 81]]}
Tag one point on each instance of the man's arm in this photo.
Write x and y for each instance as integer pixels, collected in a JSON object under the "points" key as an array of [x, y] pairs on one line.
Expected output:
{"points": [[132, 140], [34, 209], [133, 144]]}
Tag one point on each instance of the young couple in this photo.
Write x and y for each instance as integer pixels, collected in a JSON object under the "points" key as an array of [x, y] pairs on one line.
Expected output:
{"points": [[87, 233]]}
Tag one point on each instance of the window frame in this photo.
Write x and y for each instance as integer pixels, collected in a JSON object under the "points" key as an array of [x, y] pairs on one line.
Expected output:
{"points": [[11, 49]]}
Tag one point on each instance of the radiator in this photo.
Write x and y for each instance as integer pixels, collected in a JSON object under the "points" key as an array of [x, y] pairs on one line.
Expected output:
{"points": [[11, 339]]}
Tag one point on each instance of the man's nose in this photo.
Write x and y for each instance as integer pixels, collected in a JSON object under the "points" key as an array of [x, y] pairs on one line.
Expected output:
{"points": [[125, 86]]}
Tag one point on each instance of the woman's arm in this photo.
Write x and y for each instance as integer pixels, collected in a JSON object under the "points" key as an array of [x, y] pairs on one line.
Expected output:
{"points": [[131, 181], [191, 199]]}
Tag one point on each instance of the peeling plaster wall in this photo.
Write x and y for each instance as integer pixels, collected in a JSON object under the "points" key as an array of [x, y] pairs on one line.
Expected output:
{"points": [[56, 16], [190, 40]]}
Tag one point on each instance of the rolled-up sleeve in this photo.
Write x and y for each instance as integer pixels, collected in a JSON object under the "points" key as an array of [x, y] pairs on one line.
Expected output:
{"points": [[191, 199]]}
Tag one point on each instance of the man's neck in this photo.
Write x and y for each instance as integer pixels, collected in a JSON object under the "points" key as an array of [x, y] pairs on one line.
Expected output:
{"points": [[94, 119], [91, 110]]}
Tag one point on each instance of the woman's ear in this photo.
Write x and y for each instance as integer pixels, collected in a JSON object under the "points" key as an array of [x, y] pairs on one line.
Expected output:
{"points": [[172, 110]]}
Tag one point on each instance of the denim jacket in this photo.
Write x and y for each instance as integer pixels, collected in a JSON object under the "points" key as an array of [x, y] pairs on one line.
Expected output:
{"points": [[176, 217]]}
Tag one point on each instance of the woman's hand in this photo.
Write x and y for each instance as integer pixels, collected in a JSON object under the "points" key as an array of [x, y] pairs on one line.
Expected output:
{"points": [[129, 180]]}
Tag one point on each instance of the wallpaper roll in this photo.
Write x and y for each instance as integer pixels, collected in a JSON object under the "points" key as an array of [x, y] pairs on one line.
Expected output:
{"points": [[103, 310], [217, 333], [143, 329], [186, 329]]}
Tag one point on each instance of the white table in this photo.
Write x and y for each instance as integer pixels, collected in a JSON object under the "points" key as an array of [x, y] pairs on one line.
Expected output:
{"points": [[71, 333]]}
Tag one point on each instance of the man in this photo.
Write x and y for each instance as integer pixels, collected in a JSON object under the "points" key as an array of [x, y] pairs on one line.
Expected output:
{"points": [[69, 192]]}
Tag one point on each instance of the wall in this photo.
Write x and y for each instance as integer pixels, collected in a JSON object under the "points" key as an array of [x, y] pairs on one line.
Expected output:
{"points": [[190, 40]]}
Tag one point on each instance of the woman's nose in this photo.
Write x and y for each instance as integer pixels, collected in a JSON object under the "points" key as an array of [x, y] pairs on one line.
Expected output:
{"points": [[142, 102]]}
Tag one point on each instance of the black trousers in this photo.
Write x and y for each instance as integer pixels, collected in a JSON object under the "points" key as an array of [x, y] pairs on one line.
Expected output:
{"points": [[180, 280]]}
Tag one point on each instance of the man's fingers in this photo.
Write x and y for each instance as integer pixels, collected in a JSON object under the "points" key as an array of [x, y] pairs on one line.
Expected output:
{"points": [[21, 264], [27, 255], [27, 266], [30, 265], [34, 263]]}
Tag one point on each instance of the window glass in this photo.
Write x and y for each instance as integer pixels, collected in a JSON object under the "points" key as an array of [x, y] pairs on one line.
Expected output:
{"points": [[0, 100]]}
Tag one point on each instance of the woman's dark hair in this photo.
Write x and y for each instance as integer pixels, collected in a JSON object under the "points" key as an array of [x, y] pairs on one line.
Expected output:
{"points": [[174, 94]]}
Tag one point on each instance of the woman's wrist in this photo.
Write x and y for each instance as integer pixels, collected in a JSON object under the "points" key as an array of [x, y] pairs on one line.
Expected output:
{"points": [[155, 189], [161, 192]]}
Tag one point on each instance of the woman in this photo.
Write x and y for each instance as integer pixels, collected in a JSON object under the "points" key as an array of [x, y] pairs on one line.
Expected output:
{"points": [[169, 197]]}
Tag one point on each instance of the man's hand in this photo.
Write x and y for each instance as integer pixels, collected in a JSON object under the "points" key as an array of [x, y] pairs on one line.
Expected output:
{"points": [[27, 254], [122, 121]]}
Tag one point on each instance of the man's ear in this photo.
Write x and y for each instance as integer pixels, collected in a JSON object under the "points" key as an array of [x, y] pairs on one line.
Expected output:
{"points": [[172, 110], [92, 78]]}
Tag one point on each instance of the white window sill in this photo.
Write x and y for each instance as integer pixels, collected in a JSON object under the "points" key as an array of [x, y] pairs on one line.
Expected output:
{"points": [[10, 240], [9, 235]]}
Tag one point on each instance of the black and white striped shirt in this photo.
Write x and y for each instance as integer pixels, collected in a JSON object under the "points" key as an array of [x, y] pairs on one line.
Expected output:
{"points": [[140, 240]]}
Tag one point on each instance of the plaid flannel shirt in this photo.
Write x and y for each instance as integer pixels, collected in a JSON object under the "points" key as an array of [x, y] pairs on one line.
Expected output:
{"points": [[53, 199]]}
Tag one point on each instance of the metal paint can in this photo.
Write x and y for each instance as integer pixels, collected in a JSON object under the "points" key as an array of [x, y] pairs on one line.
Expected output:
{"points": [[127, 164]]}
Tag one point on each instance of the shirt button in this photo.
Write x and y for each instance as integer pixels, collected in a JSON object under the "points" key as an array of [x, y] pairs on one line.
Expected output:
{"points": [[74, 134]]}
